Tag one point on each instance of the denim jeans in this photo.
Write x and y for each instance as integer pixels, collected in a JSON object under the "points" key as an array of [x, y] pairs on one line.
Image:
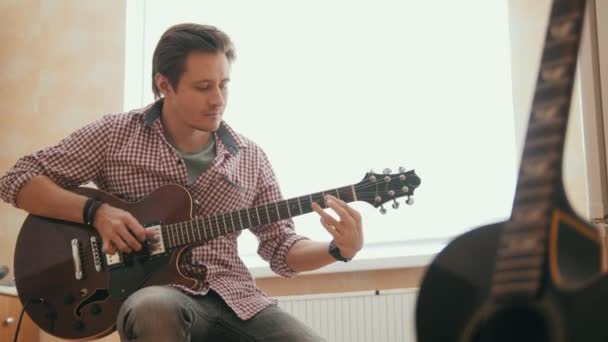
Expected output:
{"points": [[166, 314]]}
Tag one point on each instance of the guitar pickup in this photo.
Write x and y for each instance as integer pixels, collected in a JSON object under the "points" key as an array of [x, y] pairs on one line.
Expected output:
{"points": [[78, 274]]}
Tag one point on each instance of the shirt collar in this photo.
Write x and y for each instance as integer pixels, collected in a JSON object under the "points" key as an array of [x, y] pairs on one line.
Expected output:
{"points": [[228, 137]]}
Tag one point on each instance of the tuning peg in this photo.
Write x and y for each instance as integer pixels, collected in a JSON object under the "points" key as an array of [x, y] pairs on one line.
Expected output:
{"points": [[378, 199], [395, 204], [401, 169], [410, 200], [386, 171], [382, 210]]}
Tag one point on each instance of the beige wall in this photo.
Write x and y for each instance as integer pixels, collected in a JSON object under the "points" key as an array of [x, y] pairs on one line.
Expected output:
{"points": [[62, 67]]}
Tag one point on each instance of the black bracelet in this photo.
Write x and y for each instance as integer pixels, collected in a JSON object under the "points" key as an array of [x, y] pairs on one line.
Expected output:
{"points": [[335, 252], [92, 211], [85, 210]]}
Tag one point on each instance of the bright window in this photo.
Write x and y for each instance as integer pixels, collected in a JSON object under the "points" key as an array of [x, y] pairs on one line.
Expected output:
{"points": [[331, 89]]}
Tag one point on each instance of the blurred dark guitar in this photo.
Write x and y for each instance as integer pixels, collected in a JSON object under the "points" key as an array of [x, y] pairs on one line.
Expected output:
{"points": [[72, 290], [538, 276]]}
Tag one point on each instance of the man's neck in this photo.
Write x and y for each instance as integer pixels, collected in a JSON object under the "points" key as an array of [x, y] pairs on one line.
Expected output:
{"points": [[185, 139]]}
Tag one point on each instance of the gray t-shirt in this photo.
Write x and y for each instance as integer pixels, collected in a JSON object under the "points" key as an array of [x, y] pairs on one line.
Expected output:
{"points": [[199, 161]]}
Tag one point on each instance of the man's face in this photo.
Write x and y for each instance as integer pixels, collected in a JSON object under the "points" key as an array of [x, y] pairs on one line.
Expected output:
{"points": [[200, 98]]}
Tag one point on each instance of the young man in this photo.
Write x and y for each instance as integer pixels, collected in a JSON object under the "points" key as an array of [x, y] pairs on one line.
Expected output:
{"points": [[182, 139]]}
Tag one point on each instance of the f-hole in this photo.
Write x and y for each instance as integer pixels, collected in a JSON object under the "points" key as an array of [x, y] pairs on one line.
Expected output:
{"points": [[97, 296]]}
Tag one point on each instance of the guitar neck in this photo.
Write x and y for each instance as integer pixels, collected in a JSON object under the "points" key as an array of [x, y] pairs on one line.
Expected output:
{"points": [[523, 244], [202, 229]]}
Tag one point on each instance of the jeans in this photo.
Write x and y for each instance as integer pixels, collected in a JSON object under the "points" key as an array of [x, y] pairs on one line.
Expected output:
{"points": [[158, 313]]}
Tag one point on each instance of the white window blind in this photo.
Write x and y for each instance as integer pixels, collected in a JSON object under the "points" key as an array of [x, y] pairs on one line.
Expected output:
{"points": [[331, 89]]}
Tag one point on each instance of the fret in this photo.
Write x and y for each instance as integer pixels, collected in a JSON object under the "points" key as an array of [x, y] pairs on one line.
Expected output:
{"points": [[198, 230], [180, 234], [186, 231], [253, 222], [521, 287], [505, 253], [562, 28], [517, 275], [249, 218], [168, 231], [300, 206], [204, 229], [240, 214], [225, 225], [217, 225], [544, 126], [543, 142], [307, 204], [532, 214], [543, 192], [518, 263], [346, 194], [293, 207], [352, 189], [175, 234], [557, 85], [232, 220], [522, 242], [319, 199], [276, 206], [549, 111], [288, 210], [337, 193], [257, 213], [210, 226], [267, 213], [537, 168], [192, 231], [240, 220]]}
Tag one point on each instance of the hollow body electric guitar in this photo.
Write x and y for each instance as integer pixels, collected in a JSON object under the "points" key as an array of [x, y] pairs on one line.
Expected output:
{"points": [[538, 276], [72, 290]]}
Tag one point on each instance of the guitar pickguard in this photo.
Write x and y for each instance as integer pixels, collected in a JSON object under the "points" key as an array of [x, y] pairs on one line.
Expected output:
{"points": [[575, 251], [135, 269]]}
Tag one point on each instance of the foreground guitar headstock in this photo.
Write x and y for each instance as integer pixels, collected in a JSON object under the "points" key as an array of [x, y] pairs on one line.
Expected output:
{"points": [[377, 189]]}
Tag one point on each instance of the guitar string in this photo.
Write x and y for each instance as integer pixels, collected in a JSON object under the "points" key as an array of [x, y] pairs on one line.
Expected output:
{"points": [[218, 219]]}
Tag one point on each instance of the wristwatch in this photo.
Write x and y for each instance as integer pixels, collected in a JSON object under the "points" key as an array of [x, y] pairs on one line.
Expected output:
{"points": [[335, 252]]}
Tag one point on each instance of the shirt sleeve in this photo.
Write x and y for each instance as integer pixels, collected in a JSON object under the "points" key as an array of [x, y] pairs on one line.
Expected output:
{"points": [[275, 239], [74, 161]]}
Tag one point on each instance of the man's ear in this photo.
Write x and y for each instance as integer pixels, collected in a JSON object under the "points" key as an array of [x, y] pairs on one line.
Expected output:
{"points": [[163, 84]]}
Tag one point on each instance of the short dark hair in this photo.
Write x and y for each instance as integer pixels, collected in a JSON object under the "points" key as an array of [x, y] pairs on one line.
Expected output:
{"points": [[178, 41]]}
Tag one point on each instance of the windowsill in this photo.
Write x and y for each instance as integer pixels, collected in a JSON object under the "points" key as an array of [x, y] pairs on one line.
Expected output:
{"points": [[378, 256]]}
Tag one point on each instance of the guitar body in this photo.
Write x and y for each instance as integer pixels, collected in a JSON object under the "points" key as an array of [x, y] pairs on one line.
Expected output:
{"points": [[539, 276], [72, 308], [454, 305]]}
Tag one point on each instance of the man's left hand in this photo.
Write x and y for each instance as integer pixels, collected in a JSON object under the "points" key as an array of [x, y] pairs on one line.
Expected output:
{"points": [[347, 230]]}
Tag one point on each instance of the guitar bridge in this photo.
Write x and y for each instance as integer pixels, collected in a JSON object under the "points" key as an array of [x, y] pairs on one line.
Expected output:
{"points": [[95, 252], [156, 246]]}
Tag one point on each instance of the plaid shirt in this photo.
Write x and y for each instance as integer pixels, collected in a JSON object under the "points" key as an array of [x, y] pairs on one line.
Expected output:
{"points": [[128, 156]]}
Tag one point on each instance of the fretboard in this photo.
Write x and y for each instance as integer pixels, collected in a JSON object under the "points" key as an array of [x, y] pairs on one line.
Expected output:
{"points": [[201, 229], [523, 243]]}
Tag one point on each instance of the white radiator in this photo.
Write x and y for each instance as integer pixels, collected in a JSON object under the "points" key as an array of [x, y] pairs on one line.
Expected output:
{"points": [[369, 316]]}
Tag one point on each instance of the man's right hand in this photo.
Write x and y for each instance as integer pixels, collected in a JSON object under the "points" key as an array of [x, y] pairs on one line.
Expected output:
{"points": [[119, 230]]}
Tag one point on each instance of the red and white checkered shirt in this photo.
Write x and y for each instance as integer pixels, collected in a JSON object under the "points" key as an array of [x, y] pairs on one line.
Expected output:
{"points": [[128, 156]]}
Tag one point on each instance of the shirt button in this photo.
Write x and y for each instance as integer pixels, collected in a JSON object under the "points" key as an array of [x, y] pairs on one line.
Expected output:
{"points": [[197, 202]]}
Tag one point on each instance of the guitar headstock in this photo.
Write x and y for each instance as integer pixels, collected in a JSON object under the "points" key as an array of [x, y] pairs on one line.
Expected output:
{"points": [[378, 189]]}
